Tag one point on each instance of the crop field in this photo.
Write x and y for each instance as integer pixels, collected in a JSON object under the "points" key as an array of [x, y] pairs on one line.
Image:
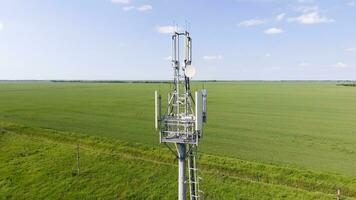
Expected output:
{"points": [[263, 140]]}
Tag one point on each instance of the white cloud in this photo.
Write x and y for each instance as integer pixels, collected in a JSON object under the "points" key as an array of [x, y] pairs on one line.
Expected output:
{"points": [[307, 9], [217, 57], [274, 31], [252, 22], [167, 29], [280, 17], [311, 18], [351, 49], [168, 58], [311, 15], [304, 64], [268, 55], [275, 68], [258, 1], [144, 8], [306, 1], [1, 26], [128, 8], [120, 1], [340, 65]]}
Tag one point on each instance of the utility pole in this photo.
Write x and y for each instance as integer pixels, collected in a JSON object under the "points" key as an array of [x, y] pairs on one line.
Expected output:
{"points": [[338, 194], [78, 160]]}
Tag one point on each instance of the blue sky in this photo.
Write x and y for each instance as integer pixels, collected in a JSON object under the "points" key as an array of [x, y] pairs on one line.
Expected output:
{"points": [[130, 39]]}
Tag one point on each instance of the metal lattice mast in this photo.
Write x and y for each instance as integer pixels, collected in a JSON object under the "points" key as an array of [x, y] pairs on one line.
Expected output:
{"points": [[182, 125]]}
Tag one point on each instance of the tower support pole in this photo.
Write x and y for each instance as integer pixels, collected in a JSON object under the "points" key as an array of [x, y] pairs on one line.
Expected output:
{"points": [[181, 172]]}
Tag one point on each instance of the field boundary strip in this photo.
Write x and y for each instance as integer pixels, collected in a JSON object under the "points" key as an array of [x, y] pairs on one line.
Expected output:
{"points": [[229, 167]]}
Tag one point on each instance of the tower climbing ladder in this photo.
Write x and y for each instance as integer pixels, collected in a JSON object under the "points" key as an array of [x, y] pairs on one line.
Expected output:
{"points": [[195, 193]]}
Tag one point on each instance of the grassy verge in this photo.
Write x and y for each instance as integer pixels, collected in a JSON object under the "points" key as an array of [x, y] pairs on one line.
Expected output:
{"points": [[41, 164]]}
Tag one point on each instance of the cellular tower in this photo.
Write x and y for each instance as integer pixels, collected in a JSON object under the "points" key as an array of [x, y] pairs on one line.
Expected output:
{"points": [[181, 127]]}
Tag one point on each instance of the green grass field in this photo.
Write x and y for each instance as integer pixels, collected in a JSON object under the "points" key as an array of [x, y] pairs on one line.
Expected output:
{"points": [[41, 164], [304, 125], [292, 136]]}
